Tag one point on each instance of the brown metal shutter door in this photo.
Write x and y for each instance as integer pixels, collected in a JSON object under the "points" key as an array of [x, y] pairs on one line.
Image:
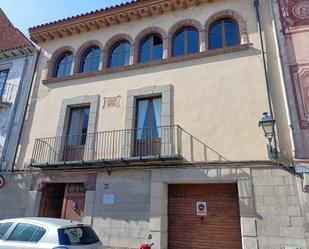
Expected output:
{"points": [[220, 229]]}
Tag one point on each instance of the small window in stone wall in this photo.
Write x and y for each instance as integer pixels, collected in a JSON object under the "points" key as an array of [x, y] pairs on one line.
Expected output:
{"points": [[151, 49], [186, 42], [90, 60], [223, 33], [63, 65]]}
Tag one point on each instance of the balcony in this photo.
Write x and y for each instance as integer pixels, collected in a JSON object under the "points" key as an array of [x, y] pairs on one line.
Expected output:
{"points": [[118, 147], [7, 94]]}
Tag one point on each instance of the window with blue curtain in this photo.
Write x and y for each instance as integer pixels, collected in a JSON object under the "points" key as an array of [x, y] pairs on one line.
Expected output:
{"points": [[148, 120], [90, 60], [185, 42], [120, 55], [63, 65], [223, 33], [151, 49]]}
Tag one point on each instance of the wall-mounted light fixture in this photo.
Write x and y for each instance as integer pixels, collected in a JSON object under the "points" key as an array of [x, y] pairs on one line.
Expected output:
{"points": [[268, 125]]}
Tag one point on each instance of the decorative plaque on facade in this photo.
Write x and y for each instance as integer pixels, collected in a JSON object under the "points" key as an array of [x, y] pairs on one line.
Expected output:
{"points": [[111, 102], [294, 14], [300, 83]]}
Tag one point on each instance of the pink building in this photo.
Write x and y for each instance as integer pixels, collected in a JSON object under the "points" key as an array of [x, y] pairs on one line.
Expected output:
{"points": [[292, 25]]}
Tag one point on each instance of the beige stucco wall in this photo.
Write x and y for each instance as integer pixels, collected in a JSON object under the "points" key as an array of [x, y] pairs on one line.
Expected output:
{"points": [[228, 90]]}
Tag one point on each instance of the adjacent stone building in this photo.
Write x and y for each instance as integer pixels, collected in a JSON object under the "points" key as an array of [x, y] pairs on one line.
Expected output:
{"points": [[143, 119]]}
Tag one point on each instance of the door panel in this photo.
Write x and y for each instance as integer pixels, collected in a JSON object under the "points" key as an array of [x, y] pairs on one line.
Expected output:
{"points": [[74, 201], [148, 127], [51, 201], [220, 228]]}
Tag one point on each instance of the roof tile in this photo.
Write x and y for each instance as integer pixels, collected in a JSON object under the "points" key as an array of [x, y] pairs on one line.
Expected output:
{"points": [[10, 37]]}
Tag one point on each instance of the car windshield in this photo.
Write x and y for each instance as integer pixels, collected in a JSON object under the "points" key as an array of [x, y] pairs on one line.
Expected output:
{"points": [[77, 236]]}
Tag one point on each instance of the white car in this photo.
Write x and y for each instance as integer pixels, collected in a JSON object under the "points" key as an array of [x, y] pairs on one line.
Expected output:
{"points": [[47, 233]]}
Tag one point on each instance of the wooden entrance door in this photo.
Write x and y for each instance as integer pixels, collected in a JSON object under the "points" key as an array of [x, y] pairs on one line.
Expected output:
{"points": [[74, 201], [219, 229], [52, 201]]}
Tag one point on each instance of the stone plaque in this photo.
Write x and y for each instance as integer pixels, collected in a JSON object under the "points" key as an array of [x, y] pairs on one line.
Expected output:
{"points": [[111, 102]]}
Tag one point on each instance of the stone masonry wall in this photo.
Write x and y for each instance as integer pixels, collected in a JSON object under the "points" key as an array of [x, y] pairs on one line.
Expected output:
{"points": [[281, 216], [14, 196], [126, 222]]}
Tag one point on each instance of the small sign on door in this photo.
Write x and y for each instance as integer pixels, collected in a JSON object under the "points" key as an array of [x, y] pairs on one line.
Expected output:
{"points": [[201, 208]]}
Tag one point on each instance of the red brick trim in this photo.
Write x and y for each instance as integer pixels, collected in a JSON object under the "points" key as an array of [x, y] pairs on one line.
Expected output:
{"points": [[82, 49], [55, 56], [181, 24], [143, 34], [242, 25], [111, 42], [137, 66]]}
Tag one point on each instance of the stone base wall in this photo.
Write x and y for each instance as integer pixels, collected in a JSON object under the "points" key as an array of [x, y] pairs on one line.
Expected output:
{"points": [[125, 223], [281, 209], [14, 196]]}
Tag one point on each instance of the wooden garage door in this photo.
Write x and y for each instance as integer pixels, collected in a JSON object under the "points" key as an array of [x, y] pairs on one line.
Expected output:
{"points": [[220, 229]]}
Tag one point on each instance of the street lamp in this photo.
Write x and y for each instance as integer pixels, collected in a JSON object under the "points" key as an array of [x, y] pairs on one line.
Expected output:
{"points": [[268, 125]]}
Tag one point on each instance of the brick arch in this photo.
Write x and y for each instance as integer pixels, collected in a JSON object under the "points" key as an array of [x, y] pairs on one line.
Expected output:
{"points": [[81, 51], [148, 31], [55, 56], [185, 23], [234, 15], [111, 42]]}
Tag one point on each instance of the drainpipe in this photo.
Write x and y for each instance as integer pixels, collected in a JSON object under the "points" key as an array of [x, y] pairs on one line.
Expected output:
{"points": [[279, 46], [256, 4], [37, 55], [16, 104]]}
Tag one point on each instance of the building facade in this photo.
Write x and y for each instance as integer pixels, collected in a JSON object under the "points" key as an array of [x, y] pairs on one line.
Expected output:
{"points": [[17, 65], [143, 120]]}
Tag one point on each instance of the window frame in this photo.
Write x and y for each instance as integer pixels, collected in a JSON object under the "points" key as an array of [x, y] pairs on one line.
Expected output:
{"points": [[119, 64], [64, 55], [185, 30], [223, 32], [5, 81], [82, 59], [151, 36]]}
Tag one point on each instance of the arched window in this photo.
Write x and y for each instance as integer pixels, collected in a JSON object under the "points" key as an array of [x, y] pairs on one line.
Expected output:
{"points": [[185, 42], [120, 55], [90, 60], [223, 33], [63, 65], [151, 49]]}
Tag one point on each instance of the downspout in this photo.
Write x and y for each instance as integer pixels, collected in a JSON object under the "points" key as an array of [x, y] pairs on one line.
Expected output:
{"points": [[283, 79], [16, 104], [38, 52], [256, 4]]}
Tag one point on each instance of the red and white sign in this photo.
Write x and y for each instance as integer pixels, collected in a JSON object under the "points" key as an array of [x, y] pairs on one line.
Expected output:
{"points": [[2, 182]]}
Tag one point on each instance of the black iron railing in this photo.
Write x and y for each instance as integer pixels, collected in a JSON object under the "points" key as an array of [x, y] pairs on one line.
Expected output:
{"points": [[154, 143], [7, 93]]}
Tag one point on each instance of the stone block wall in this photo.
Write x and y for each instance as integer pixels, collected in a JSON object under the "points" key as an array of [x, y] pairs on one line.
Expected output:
{"points": [[14, 196], [281, 209], [126, 222]]}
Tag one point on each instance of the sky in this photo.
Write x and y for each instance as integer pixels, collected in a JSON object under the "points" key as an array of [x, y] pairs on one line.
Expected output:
{"points": [[29, 13]]}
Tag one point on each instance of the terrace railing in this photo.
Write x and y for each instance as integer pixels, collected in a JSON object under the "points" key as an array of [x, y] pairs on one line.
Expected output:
{"points": [[153, 143]]}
